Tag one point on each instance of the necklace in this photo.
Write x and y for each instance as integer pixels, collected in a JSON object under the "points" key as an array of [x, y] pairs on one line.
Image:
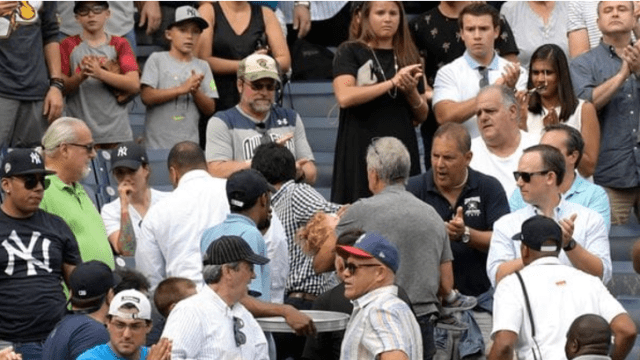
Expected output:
{"points": [[466, 176], [395, 66]]}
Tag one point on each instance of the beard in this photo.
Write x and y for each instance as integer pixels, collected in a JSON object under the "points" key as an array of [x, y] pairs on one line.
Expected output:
{"points": [[263, 226], [261, 106]]}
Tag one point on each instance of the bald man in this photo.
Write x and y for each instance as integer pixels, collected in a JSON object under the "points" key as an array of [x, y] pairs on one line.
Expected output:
{"points": [[589, 337]]}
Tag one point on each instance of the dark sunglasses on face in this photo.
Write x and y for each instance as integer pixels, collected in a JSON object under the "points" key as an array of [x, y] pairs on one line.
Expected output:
{"points": [[96, 9], [351, 267], [526, 176], [32, 180], [89, 147], [270, 86]]}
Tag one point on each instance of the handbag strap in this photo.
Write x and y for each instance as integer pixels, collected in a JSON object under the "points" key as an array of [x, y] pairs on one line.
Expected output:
{"points": [[526, 301]]}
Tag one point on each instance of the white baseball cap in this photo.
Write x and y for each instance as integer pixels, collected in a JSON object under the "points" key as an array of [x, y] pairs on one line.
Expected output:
{"points": [[185, 13], [257, 66], [132, 297]]}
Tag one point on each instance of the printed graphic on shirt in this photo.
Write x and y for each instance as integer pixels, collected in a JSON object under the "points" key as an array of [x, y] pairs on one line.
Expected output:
{"points": [[472, 206], [18, 253]]}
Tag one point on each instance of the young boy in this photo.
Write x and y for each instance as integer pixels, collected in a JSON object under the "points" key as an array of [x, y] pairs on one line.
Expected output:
{"points": [[89, 86], [176, 86]]}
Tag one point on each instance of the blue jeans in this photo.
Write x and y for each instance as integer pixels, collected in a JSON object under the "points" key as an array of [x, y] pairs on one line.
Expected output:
{"points": [[426, 329], [29, 351]]}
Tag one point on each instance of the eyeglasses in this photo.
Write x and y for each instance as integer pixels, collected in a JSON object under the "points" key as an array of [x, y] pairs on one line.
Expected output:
{"points": [[89, 147], [96, 9], [526, 176], [135, 327], [351, 267], [240, 337], [270, 86], [32, 180]]}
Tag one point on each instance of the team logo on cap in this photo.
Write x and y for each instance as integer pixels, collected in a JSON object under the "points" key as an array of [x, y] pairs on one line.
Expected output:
{"points": [[262, 62], [35, 158], [7, 168], [191, 12], [122, 151]]}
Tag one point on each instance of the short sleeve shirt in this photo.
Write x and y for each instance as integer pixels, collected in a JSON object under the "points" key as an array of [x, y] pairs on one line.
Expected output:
{"points": [[94, 102], [73, 205], [32, 252], [104, 352], [75, 334], [111, 213], [175, 120]]}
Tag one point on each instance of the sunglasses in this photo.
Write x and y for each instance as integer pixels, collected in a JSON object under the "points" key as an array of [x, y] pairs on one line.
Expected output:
{"points": [[526, 176], [239, 336], [89, 147], [32, 180], [351, 267], [96, 9], [270, 86]]}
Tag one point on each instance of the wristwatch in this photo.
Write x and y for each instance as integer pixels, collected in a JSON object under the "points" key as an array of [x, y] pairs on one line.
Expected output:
{"points": [[570, 245], [466, 237]]}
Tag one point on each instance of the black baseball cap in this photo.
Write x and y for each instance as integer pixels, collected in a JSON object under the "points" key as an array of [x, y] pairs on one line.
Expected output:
{"points": [[228, 249], [245, 186], [23, 162], [129, 155], [91, 279], [541, 233], [79, 4]]}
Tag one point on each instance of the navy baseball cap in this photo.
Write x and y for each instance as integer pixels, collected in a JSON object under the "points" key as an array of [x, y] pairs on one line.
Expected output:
{"points": [[228, 249], [245, 186], [92, 279], [129, 155], [23, 162], [540, 233], [372, 245]]}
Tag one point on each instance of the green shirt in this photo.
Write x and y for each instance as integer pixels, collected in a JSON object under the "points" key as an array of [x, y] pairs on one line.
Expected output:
{"points": [[76, 208]]}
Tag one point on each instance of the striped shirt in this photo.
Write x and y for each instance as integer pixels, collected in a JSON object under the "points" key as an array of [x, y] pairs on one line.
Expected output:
{"points": [[381, 322], [319, 10], [201, 327], [584, 15], [295, 204]]}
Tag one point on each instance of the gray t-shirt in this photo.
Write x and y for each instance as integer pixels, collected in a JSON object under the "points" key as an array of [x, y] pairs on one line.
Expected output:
{"points": [[176, 120], [417, 231], [234, 135]]}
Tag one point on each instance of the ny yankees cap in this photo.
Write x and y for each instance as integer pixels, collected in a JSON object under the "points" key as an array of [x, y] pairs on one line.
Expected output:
{"points": [[23, 162], [257, 66], [540, 233], [228, 249], [188, 13], [134, 298], [91, 279], [372, 245], [129, 155], [245, 186]]}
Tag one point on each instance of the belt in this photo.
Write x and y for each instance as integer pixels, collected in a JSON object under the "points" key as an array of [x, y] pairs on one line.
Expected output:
{"points": [[302, 295]]}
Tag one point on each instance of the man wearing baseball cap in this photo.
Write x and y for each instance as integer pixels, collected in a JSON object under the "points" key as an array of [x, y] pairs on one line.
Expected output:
{"points": [[91, 285], [535, 307], [128, 323], [38, 250], [213, 324], [234, 134], [123, 216], [369, 275]]}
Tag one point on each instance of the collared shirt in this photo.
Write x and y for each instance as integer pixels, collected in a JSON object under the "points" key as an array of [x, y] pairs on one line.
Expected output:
{"points": [[619, 159], [278, 250], [557, 294], [105, 351], [589, 231], [111, 213], [418, 232], [381, 322], [319, 10], [73, 205], [169, 243], [240, 225], [483, 202], [295, 204], [581, 192], [501, 168], [460, 81], [201, 327]]}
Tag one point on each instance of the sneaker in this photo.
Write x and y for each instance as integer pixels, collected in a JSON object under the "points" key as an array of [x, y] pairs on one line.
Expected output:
{"points": [[451, 323], [461, 303]]}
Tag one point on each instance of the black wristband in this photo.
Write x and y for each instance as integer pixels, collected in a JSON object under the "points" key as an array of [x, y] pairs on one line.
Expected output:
{"points": [[57, 83]]}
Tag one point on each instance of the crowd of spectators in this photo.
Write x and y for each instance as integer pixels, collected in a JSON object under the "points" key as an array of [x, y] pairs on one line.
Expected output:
{"points": [[528, 113]]}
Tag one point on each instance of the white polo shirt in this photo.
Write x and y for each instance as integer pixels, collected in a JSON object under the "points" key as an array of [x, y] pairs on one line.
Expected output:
{"points": [[460, 80], [558, 294]]}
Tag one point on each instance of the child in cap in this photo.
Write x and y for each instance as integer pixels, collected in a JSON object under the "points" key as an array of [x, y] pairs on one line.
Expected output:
{"points": [[177, 88], [100, 72]]}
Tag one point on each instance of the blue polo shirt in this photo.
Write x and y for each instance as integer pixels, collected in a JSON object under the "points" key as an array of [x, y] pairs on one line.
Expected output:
{"points": [[104, 352], [483, 202], [581, 192], [240, 225]]}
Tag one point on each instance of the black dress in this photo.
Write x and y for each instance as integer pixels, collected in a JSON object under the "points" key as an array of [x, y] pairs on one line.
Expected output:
{"points": [[382, 116]]}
